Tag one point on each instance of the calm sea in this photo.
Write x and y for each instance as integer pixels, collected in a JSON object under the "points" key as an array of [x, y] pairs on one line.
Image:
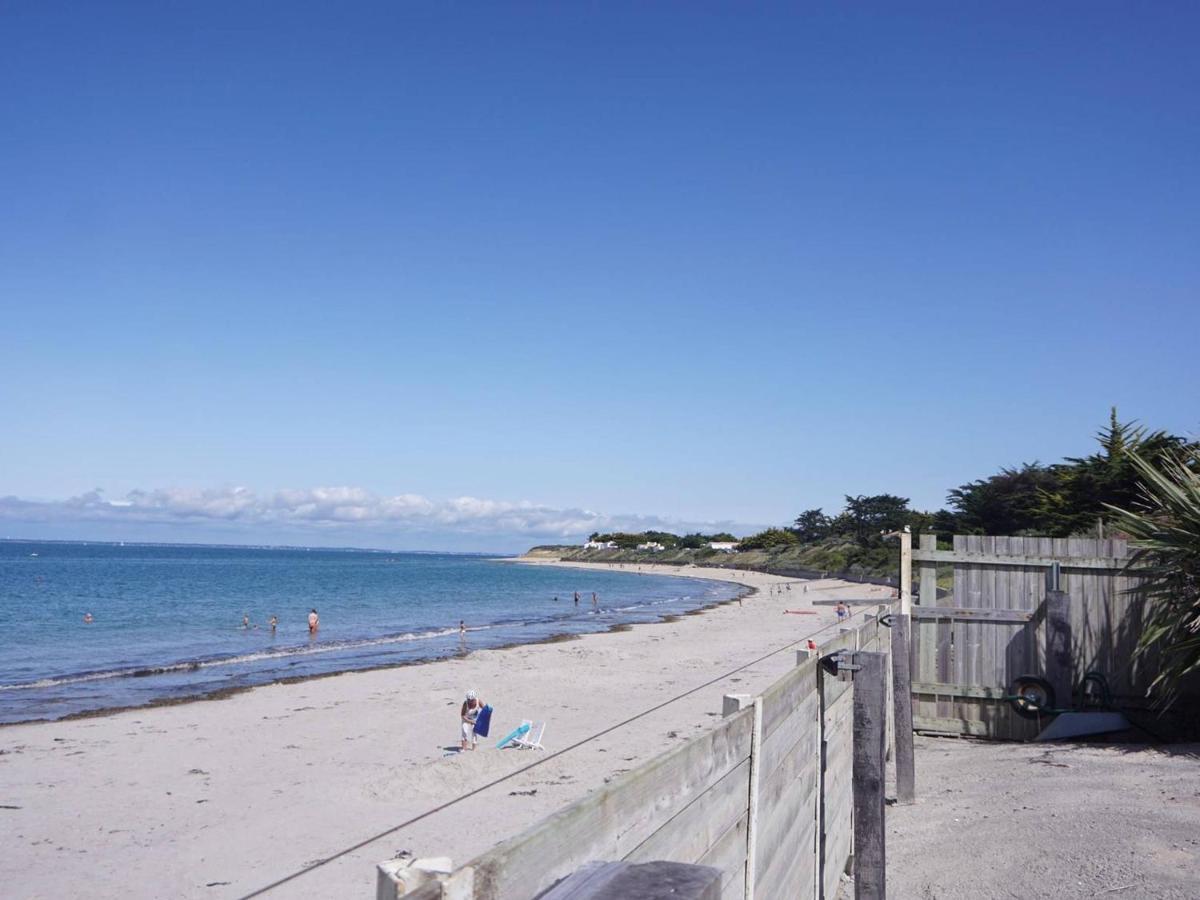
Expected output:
{"points": [[167, 620]]}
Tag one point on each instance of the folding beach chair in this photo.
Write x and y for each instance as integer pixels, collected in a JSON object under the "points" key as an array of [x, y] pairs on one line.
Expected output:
{"points": [[515, 735], [532, 739]]}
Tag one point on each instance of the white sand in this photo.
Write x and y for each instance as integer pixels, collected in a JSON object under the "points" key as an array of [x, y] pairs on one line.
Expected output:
{"points": [[218, 798]]}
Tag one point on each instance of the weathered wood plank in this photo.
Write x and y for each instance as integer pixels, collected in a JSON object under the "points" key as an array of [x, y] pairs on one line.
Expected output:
{"points": [[798, 729], [790, 804], [923, 637], [641, 802], [944, 668], [952, 726], [902, 715], [728, 854], [870, 738], [1059, 665], [1112, 564], [972, 612], [789, 874], [836, 837], [966, 632], [959, 690], [699, 825], [886, 643], [792, 837], [927, 572], [657, 880], [993, 579], [781, 698]]}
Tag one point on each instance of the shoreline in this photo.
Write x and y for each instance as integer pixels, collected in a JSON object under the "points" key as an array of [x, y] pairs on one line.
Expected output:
{"points": [[272, 780], [224, 693]]}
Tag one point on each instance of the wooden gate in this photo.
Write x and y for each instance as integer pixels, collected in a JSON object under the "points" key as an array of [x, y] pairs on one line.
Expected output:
{"points": [[969, 647]]}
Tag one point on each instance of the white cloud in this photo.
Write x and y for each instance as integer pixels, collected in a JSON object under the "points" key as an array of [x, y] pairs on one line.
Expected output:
{"points": [[325, 509]]}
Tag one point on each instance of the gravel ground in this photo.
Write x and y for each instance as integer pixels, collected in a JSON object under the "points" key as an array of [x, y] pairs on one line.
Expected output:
{"points": [[997, 820]]}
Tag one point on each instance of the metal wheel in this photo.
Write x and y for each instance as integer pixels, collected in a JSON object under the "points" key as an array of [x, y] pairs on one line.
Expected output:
{"points": [[1031, 696]]}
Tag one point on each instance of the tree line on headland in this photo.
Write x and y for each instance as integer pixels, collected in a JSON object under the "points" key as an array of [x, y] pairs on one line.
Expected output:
{"points": [[1139, 484], [1072, 497]]}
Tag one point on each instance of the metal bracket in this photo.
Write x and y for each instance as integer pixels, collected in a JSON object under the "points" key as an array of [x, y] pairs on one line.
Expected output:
{"points": [[839, 662], [886, 620]]}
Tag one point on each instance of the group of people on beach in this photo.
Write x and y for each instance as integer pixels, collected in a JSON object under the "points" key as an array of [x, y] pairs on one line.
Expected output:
{"points": [[314, 622], [595, 600]]}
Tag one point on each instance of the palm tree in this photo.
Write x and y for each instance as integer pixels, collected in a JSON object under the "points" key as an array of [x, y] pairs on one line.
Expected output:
{"points": [[1165, 527]]}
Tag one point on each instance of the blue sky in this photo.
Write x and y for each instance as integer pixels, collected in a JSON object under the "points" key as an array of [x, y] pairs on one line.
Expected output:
{"points": [[701, 263]]}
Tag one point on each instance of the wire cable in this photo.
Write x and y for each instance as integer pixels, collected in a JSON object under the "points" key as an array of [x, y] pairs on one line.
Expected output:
{"points": [[533, 765]]}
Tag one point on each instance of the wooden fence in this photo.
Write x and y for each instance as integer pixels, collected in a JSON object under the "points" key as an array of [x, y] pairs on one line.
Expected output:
{"points": [[968, 648], [774, 776]]}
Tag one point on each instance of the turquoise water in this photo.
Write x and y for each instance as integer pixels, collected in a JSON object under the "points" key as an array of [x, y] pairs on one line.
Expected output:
{"points": [[167, 620]]}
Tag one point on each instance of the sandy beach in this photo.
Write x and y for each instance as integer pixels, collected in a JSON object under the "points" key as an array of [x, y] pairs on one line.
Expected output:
{"points": [[219, 798]]}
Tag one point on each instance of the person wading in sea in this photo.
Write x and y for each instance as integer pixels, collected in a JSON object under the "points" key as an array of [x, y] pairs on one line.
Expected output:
{"points": [[314, 622]]}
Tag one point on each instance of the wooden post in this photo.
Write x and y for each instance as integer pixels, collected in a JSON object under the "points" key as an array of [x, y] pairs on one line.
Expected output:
{"points": [[906, 570], [928, 572], [752, 816], [906, 791], [732, 703], [1059, 670], [870, 737]]}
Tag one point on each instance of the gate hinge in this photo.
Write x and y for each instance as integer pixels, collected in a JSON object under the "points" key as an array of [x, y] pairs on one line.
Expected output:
{"points": [[836, 663]]}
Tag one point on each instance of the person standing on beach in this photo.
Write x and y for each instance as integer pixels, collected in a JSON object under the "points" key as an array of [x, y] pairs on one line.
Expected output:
{"points": [[842, 610], [314, 622], [471, 709]]}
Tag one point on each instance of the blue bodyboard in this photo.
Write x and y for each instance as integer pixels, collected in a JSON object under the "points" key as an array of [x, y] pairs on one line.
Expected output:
{"points": [[484, 722], [516, 733]]}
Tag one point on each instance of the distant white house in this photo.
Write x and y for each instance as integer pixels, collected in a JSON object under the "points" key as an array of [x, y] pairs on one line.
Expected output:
{"points": [[652, 546], [723, 546], [600, 545]]}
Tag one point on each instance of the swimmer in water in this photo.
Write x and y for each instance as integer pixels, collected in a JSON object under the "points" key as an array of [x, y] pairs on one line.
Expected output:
{"points": [[246, 620], [87, 618], [274, 623], [314, 622]]}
